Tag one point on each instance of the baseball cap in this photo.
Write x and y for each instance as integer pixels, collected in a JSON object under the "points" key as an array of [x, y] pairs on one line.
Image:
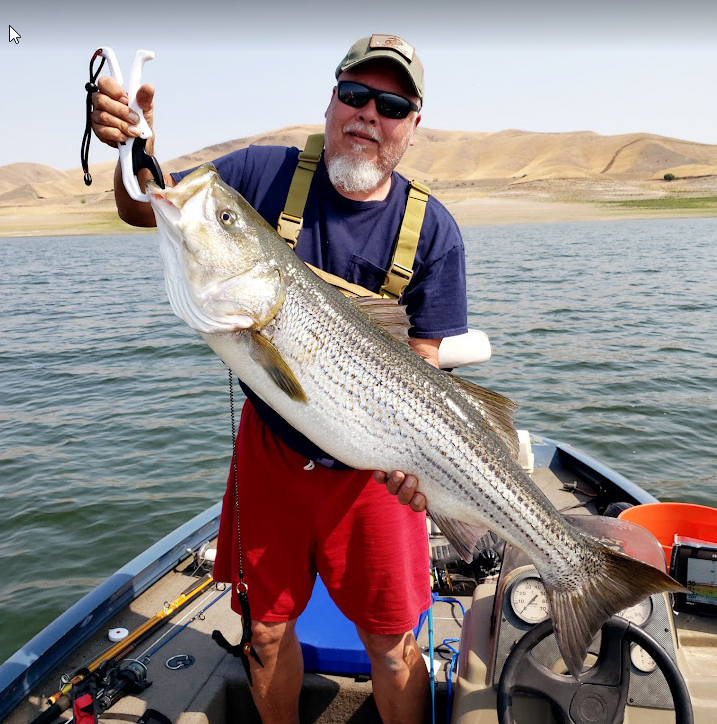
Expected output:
{"points": [[390, 47]]}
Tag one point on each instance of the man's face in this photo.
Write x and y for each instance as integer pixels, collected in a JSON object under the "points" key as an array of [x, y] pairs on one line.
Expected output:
{"points": [[364, 134]]}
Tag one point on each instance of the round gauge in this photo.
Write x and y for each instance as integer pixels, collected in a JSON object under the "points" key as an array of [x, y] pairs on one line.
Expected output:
{"points": [[528, 600], [641, 660], [638, 614]]}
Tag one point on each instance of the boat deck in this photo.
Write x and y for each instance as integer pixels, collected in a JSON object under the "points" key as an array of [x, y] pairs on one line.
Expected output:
{"points": [[214, 687]]}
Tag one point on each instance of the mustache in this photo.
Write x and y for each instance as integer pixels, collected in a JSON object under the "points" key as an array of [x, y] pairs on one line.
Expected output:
{"points": [[359, 127]]}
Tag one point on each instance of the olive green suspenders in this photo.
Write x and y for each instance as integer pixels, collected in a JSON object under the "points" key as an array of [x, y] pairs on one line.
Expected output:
{"points": [[401, 269], [291, 219]]}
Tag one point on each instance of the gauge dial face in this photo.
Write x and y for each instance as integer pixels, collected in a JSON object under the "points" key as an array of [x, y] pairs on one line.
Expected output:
{"points": [[638, 614], [528, 600], [641, 660]]}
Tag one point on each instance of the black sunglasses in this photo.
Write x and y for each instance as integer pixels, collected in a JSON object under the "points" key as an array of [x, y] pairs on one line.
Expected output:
{"points": [[390, 105]]}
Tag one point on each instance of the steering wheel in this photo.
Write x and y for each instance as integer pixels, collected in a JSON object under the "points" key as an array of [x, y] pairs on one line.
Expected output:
{"points": [[599, 696]]}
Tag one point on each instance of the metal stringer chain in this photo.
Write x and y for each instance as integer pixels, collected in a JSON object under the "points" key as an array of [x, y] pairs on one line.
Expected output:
{"points": [[244, 649], [235, 474]]}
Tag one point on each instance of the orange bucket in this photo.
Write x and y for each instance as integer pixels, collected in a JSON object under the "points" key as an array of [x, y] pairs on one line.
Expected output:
{"points": [[666, 520]]}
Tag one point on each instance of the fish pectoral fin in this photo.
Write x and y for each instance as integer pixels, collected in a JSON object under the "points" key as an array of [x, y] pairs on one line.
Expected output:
{"points": [[462, 536], [268, 358], [497, 411]]}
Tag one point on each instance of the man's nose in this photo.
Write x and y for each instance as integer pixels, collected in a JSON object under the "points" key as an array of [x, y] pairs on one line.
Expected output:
{"points": [[369, 114]]}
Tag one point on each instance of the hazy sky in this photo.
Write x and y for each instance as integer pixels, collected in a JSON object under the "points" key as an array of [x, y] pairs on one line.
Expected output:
{"points": [[225, 70]]}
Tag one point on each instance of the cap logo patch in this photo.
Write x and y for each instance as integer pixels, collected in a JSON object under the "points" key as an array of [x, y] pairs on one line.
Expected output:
{"points": [[392, 42]]}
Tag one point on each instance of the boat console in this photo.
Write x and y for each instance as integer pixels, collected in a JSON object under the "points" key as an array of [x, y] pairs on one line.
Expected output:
{"points": [[651, 665], [642, 667]]}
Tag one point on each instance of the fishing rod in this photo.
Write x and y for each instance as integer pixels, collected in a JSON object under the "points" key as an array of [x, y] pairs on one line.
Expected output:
{"points": [[147, 654], [60, 700]]}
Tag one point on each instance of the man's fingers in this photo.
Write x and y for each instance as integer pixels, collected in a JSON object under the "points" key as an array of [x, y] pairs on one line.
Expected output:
{"points": [[113, 109], [145, 97], [109, 128], [418, 502], [112, 120], [394, 483], [404, 486], [110, 87], [407, 487]]}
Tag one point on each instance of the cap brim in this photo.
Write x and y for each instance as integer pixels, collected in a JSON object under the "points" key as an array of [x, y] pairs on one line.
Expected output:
{"points": [[384, 55]]}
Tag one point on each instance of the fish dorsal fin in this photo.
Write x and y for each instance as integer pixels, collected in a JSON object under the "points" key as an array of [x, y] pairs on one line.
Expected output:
{"points": [[387, 314], [496, 410], [268, 358], [462, 536]]}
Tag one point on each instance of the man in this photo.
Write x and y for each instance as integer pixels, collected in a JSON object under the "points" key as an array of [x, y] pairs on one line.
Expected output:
{"points": [[302, 512]]}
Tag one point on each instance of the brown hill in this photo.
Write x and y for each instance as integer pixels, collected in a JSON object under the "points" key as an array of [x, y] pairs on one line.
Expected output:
{"points": [[516, 156], [446, 159]]}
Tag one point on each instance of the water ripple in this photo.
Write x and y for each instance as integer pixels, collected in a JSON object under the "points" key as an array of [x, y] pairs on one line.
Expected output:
{"points": [[114, 418]]}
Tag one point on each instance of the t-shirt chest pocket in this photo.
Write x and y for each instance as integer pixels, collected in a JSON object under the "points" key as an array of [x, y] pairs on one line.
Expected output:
{"points": [[364, 273]]}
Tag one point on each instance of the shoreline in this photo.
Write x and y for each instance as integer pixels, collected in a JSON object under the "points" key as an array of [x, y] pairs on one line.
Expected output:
{"points": [[53, 219], [466, 212]]}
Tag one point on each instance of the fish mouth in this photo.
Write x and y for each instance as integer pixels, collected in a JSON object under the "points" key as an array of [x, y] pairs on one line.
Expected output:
{"points": [[162, 206], [190, 304]]}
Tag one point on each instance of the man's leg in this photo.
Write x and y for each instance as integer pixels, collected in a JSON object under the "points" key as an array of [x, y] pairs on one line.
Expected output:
{"points": [[276, 558], [277, 686], [401, 686]]}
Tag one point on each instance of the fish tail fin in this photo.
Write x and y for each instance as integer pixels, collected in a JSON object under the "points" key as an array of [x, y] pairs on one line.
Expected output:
{"points": [[613, 582]]}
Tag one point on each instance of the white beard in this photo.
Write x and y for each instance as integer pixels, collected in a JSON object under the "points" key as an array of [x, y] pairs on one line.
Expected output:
{"points": [[354, 175]]}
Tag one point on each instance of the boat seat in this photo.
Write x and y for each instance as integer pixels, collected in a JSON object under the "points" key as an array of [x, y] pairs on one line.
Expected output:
{"points": [[329, 641]]}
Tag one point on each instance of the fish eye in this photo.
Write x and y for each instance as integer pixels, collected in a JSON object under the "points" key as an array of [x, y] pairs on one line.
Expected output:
{"points": [[227, 217]]}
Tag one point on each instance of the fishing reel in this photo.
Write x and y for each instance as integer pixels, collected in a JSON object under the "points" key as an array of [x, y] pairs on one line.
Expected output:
{"points": [[118, 682], [453, 575]]}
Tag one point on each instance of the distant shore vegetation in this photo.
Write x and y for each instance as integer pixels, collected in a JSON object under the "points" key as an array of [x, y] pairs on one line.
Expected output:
{"points": [[668, 203]]}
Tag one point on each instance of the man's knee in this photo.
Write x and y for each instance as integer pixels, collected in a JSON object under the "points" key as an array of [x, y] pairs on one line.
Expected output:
{"points": [[271, 634], [396, 650]]}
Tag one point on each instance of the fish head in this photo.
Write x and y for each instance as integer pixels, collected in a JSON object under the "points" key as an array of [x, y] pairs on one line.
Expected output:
{"points": [[220, 275]]}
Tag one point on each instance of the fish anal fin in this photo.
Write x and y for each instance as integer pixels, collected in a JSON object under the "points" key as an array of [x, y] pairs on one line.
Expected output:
{"points": [[496, 409], [615, 582], [268, 358], [462, 536]]}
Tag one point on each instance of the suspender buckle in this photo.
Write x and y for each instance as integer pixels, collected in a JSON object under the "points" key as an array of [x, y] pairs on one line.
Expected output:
{"points": [[396, 280], [289, 227]]}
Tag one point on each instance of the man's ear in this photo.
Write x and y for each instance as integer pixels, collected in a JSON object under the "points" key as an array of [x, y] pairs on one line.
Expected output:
{"points": [[333, 94], [413, 130]]}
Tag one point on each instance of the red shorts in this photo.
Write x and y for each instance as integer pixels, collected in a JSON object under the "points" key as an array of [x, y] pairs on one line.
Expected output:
{"points": [[371, 551]]}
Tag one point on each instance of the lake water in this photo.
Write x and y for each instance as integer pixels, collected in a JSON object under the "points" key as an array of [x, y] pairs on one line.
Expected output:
{"points": [[114, 416]]}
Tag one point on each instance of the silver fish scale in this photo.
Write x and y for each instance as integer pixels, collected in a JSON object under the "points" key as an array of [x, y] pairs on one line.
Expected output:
{"points": [[384, 408], [373, 403]]}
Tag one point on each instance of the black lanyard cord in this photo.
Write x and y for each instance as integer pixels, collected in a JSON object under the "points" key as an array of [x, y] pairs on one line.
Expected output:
{"points": [[91, 89]]}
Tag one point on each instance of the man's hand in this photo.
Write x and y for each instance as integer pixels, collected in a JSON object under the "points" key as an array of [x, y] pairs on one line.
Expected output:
{"points": [[398, 483], [112, 120], [405, 486]]}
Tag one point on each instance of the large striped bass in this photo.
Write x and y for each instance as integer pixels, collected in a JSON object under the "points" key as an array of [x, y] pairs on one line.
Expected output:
{"points": [[342, 379]]}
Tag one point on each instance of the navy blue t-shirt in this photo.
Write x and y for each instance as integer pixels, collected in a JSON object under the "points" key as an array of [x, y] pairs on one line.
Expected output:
{"points": [[354, 240]]}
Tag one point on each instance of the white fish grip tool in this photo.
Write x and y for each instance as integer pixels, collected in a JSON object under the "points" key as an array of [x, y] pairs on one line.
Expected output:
{"points": [[132, 153]]}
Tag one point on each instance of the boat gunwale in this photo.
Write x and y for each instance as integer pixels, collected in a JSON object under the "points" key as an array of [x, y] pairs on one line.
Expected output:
{"points": [[589, 467], [27, 666]]}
